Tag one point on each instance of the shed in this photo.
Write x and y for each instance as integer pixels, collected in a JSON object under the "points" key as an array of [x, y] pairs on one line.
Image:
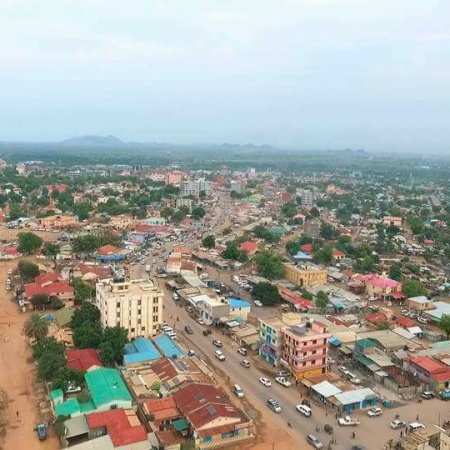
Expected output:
{"points": [[357, 399], [325, 389]]}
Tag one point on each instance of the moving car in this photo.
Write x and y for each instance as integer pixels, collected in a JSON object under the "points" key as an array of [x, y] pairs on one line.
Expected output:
{"points": [[265, 381], [303, 409], [355, 380], [217, 343], [219, 355], [348, 421], [238, 391], [282, 373], [245, 363], [374, 412], [396, 424], [191, 353], [414, 426], [188, 329], [242, 351], [273, 405], [283, 381], [314, 441], [257, 303], [343, 370]]}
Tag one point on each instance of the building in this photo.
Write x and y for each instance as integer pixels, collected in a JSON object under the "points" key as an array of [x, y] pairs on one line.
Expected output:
{"points": [[55, 222], [239, 308], [136, 305], [305, 349], [432, 373], [84, 360], [209, 308], [174, 177], [420, 303], [53, 286], [238, 186], [305, 275], [306, 197], [187, 202], [379, 286], [392, 221], [195, 187], [271, 339]]}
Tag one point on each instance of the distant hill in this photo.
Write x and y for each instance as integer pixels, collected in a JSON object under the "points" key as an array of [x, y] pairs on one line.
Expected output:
{"points": [[92, 140]]}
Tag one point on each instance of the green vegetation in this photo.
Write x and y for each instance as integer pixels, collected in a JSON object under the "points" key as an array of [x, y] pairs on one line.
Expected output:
{"points": [[270, 264], [28, 243], [444, 324], [27, 271], [322, 300], [267, 293], [414, 288], [36, 327], [209, 241], [233, 252]]}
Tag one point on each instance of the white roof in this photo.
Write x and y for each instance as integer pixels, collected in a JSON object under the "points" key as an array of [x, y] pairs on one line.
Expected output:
{"points": [[355, 396], [403, 333], [326, 389], [415, 330], [441, 308], [419, 299]]}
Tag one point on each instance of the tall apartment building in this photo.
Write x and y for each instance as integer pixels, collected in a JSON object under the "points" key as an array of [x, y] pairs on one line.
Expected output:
{"points": [[307, 197], [136, 305], [305, 275], [305, 349], [238, 186], [271, 339], [195, 187]]}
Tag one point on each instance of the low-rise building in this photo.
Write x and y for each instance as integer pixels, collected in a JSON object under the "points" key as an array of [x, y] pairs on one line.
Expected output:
{"points": [[305, 275], [56, 222]]}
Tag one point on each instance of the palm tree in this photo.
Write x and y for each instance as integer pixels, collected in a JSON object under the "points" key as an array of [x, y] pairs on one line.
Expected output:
{"points": [[36, 326]]}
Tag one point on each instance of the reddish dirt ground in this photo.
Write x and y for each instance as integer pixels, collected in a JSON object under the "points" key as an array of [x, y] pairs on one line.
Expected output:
{"points": [[17, 376]]}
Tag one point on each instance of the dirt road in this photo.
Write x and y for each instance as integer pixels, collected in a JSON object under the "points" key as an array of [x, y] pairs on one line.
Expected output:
{"points": [[17, 376]]}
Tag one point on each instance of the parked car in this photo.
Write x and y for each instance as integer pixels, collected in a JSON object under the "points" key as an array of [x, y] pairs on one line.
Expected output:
{"points": [[200, 321], [355, 380], [191, 353], [242, 351], [283, 381], [273, 405], [314, 441], [257, 303], [343, 370], [428, 395], [219, 355], [282, 373], [265, 381], [188, 329], [374, 412], [330, 360], [217, 343], [303, 409], [245, 363], [422, 320], [397, 423]]}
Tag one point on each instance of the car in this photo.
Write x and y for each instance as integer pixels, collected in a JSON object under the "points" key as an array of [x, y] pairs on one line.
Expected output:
{"points": [[428, 395], [257, 303], [283, 381], [330, 360], [245, 363], [188, 329], [41, 431], [422, 320], [397, 423], [343, 370], [303, 409], [282, 373], [217, 343], [242, 351], [9, 271], [355, 380], [314, 441], [71, 388], [404, 311], [219, 355], [199, 320], [192, 353], [374, 412], [265, 381], [273, 405], [413, 315]]}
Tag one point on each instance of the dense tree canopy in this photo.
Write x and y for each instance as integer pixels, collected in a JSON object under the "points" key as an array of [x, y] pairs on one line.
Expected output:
{"points": [[414, 288], [209, 241], [267, 293], [270, 264], [29, 243], [27, 271]]}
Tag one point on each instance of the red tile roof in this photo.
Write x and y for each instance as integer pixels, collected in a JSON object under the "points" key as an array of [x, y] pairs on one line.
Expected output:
{"points": [[250, 247], [338, 253], [47, 278], [118, 425], [376, 317], [162, 408], [406, 322], [429, 364], [108, 250], [307, 248], [50, 289], [442, 376], [95, 270], [82, 359]]}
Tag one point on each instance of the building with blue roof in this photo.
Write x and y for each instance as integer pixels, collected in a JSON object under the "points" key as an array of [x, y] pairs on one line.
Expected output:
{"points": [[239, 308], [302, 256], [140, 350], [168, 346]]}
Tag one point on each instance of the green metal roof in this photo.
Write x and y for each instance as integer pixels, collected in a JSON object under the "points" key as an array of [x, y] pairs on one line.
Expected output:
{"points": [[180, 424], [365, 343], [106, 386], [57, 394], [67, 408], [63, 316], [365, 361], [87, 407]]}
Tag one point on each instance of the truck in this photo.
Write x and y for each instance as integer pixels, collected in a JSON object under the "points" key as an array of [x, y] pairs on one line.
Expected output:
{"points": [[147, 268], [445, 394], [41, 431], [348, 421]]}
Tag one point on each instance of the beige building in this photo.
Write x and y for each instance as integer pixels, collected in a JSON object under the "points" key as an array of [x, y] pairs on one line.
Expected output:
{"points": [[136, 305], [305, 275]]}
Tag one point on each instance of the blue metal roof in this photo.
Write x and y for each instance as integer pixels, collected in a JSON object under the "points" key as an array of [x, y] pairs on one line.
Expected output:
{"points": [[237, 303]]}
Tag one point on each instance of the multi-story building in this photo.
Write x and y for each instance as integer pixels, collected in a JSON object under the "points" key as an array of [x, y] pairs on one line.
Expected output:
{"points": [[136, 305], [238, 186], [307, 197], [305, 349], [271, 339], [305, 274], [195, 187]]}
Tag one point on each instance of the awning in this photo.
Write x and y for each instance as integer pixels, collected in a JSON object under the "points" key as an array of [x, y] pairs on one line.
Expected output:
{"points": [[180, 425], [334, 341], [345, 350]]}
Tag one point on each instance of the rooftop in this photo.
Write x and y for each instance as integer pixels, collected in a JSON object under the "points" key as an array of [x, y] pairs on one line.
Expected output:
{"points": [[139, 350], [83, 359], [106, 386], [136, 287]]}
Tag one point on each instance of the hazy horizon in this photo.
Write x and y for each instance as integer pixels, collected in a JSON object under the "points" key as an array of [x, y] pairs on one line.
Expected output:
{"points": [[294, 74]]}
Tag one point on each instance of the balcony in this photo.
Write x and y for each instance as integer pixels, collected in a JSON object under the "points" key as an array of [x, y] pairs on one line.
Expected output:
{"points": [[308, 358]]}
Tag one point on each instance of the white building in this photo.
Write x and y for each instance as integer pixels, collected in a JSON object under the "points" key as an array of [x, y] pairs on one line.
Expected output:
{"points": [[136, 305], [238, 186], [195, 187], [307, 197]]}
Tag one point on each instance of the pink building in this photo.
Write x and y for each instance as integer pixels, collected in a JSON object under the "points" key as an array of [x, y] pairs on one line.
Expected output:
{"points": [[379, 286], [305, 349], [174, 177]]}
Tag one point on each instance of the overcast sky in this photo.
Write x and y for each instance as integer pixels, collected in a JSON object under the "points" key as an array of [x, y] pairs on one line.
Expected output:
{"points": [[371, 74]]}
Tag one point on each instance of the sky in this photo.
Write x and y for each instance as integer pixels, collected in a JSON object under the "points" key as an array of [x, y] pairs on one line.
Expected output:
{"points": [[307, 74]]}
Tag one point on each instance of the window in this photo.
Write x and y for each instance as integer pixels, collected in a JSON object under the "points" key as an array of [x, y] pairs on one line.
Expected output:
{"points": [[314, 342], [139, 302], [132, 330], [139, 311], [155, 309], [313, 361], [118, 304], [314, 352], [143, 328], [155, 318]]}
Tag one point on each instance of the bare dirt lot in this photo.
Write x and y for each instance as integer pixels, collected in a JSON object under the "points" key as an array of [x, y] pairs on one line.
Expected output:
{"points": [[11, 234], [17, 377]]}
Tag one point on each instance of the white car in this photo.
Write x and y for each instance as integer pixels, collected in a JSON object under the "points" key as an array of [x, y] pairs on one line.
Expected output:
{"points": [[303, 409], [355, 380], [245, 363], [200, 321], [396, 424], [374, 412], [330, 360], [242, 351], [219, 355], [283, 381], [257, 303], [265, 381], [273, 405]]}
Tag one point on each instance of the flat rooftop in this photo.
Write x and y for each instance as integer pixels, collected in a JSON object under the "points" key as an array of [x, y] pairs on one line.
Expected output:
{"points": [[133, 287]]}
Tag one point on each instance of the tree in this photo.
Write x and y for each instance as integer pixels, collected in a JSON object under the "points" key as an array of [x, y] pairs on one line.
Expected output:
{"points": [[40, 301], [198, 212], [83, 291], [328, 232], [36, 327], [50, 249], [48, 365], [292, 246], [106, 353], [444, 324], [27, 271], [48, 345], [166, 213], [226, 231], [82, 210], [384, 325], [324, 255], [314, 212], [414, 288], [270, 264], [56, 303], [116, 337], [395, 272], [233, 252], [65, 376], [156, 386], [87, 313], [28, 243], [322, 300], [88, 335], [209, 241], [87, 243], [267, 293], [289, 209]]}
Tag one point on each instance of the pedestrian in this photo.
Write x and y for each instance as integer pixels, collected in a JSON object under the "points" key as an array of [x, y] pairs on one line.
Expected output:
{"points": [[9, 324], [326, 414], [301, 395], [401, 434], [417, 417], [17, 414]]}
